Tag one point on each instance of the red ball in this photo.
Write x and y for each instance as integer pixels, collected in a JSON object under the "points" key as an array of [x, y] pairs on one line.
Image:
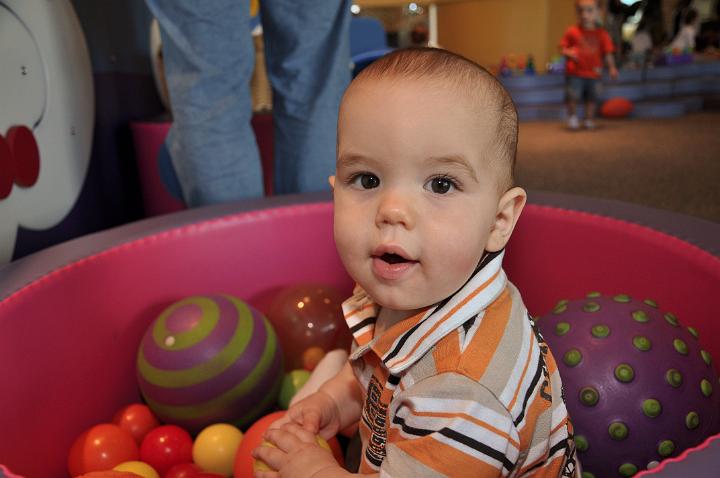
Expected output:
{"points": [[183, 470], [306, 316], [137, 419], [617, 107], [166, 446], [101, 448]]}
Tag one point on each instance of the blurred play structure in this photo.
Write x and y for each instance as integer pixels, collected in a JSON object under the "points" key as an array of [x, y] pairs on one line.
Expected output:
{"points": [[46, 116], [73, 79], [368, 42], [660, 92]]}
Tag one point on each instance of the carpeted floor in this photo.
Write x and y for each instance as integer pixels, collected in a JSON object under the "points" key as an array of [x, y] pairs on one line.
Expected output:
{"points": [[671, 164]]}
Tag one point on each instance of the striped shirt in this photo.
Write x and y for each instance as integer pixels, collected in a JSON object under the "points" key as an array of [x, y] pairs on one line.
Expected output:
{"points": [[466, 387]]}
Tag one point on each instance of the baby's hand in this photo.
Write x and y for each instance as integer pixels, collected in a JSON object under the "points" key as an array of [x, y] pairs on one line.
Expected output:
{"points": [[317, 414], [296, 454]]}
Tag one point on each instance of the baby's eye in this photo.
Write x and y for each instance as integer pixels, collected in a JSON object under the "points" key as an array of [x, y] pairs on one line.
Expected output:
{"points": [[441, 185], [365, 180]]}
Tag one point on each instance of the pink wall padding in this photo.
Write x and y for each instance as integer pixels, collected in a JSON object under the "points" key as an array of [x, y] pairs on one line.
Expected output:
{"points": [[68, 340]]}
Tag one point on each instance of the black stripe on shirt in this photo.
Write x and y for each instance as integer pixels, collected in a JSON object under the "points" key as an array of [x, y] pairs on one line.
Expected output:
{"points": [[531, 389], [469, 323], [360, 325], [460, 438], [400, 343], [562, 445]]}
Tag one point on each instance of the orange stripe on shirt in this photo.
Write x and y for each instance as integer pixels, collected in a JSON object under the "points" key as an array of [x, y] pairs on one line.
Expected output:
{"points": [[353, 312], [364, 338], [449, 314], [388, 338], [469, 418], [447, 352], [489, 334], [534, 409], [559, 426], [551, 469]]}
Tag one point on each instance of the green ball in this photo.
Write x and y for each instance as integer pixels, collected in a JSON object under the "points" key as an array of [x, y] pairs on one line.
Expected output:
{"points": [[291, 383]]}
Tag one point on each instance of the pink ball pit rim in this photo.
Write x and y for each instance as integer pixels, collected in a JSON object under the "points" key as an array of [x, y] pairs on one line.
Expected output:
{"points": [[99, 411]]}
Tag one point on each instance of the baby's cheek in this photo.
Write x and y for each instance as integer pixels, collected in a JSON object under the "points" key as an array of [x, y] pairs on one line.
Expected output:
{"points": [[459, 266]]}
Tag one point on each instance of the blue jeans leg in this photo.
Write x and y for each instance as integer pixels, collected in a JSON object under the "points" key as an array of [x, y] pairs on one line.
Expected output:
{"points": [[209, 58], [307, 48]]}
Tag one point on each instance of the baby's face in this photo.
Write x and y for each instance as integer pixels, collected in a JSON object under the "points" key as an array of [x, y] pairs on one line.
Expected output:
{"points": [[416, 190], [587, 12]]}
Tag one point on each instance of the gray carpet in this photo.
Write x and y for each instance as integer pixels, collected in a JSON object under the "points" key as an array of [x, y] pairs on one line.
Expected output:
{"points": [[671, 164]]}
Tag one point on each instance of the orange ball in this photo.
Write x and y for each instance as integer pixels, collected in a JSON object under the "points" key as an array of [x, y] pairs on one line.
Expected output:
{"points": [[101, 448], [311, 357], [259, 465], [252, 438], [109, 474]]}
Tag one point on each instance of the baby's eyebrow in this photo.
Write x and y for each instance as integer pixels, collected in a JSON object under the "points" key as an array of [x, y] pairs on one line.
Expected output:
{"points": [[349, 160], [453, 160]]}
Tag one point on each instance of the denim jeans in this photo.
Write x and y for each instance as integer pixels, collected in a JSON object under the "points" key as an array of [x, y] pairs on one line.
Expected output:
{"points": [[209, 59]]}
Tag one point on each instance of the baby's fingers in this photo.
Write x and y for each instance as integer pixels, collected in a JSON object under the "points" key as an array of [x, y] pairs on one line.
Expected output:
{"points": [[265, 474], [310, 420], [269, 458]]}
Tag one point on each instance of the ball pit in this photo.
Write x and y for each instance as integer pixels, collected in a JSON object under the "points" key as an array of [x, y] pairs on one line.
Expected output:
{"points": [[72, 316]]}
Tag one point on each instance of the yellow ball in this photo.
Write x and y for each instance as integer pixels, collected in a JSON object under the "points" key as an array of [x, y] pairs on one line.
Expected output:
{"points": [[139, 468], [215, 448], [259, 465]]}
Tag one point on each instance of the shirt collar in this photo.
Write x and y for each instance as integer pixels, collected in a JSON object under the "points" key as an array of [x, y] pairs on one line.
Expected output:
{"points": [[405, 342]]}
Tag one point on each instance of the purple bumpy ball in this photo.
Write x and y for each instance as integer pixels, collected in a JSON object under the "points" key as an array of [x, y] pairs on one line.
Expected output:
{"points": [[638, 385]]}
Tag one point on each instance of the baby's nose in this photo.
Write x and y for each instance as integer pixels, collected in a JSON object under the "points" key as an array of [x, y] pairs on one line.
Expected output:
{"points": [[396, 209]]}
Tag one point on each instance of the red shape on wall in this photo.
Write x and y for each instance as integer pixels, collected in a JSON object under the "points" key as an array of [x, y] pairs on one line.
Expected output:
{"points": [[7, 169], [26, 155]]}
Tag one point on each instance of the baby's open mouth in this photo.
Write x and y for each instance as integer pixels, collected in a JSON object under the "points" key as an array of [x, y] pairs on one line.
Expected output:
{"points": [[392, 263], [393, 258]]}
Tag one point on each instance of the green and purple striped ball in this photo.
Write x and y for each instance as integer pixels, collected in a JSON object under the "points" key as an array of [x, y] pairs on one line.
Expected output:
{"points": [[210, 359]]}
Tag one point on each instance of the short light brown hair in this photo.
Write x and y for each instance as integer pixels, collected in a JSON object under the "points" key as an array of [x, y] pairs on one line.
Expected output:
{"points": [[466, 76]]}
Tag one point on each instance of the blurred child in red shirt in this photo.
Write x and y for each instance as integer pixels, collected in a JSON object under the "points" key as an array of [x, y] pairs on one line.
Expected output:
{"points": [[585, 46]]}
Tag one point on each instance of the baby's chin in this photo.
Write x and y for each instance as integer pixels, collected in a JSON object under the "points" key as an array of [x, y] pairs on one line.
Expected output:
{"points": [[400, 304]]}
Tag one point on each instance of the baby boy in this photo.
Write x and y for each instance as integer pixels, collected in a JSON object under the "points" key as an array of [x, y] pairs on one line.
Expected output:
{"points": [[447, 375]]}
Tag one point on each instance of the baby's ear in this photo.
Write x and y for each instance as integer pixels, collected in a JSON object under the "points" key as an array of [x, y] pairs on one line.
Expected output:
{"points": [[510, 206], [331, 180]]}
